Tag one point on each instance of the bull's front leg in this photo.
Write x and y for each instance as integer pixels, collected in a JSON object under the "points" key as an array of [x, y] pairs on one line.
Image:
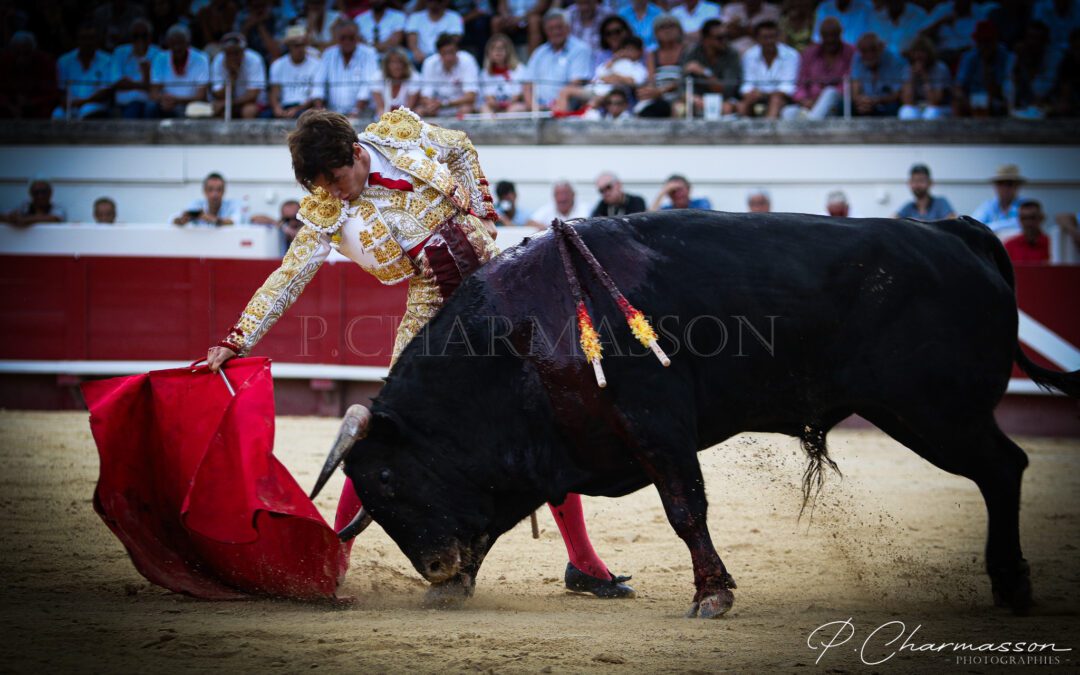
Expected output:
{"points": [[682, 491]]}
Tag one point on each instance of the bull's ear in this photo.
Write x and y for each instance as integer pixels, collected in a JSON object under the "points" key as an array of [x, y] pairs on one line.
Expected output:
{"points": [[386, 427]]}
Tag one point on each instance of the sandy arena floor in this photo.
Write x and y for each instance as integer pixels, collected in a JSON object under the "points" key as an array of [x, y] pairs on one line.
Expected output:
{"points": [[895, 541]]}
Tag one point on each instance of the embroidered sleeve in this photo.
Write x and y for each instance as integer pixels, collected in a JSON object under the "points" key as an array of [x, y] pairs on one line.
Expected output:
{"points": [[454, 149], [308, 251]]}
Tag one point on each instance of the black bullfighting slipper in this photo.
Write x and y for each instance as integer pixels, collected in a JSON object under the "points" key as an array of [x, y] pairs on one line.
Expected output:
{"points": [[615, 587]]}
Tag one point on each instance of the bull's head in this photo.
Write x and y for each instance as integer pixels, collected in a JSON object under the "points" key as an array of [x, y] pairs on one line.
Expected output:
{"points": [[431, 508]]}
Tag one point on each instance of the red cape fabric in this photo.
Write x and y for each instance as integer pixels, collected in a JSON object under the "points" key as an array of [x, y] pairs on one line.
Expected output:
{"points": [[190, 486]]}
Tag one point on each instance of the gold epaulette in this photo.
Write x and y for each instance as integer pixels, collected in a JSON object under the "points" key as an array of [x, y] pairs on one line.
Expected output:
{"points": [[322, 211], [398, 128]]}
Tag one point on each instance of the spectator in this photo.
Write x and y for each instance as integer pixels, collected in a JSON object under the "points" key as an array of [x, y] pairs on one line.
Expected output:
{"points": [[1061, 16], [260, 26], [520, 20], [178, 76], [1070, 231], [423, 28], [615, 105], [897, 24], [320, 23], [131, 70], [822, 69], [29, 79], [450, 80], [213, 20], [614, 31], [85, 76], [1067, 92], [1034, 73], [1010, 17], [853, 15], [289, 222], [562, 60], [613, 201], [113, 21], [663, 95], [104, 211], [925, 92], [676, 195], [770, 70], [836, 204], [693, 14], [399, 88], [982, 74], [502, 78], [797, 23], [924, 206], [951, 25], [506, 207], [1000, 213], [242, 69], [741, 18], [623, 70], [346, 73], [476, 17], [877, 76], [715, 66], [212, 209], [382, 26], [758, 200], [640, 15], [40, 208], [165, 13], [293, 76], [1031, 245], [563, 206], [585, 19]]}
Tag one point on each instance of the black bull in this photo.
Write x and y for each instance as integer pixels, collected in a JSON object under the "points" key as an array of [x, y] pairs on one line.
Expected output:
{"points": [[776, 323]]}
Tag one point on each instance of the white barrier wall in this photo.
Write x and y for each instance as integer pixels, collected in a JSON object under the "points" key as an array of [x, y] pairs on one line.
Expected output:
{"points": [[152, 183]]}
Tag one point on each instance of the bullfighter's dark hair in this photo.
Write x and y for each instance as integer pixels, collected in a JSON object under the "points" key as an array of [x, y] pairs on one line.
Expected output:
{"points": [[322, 141]]}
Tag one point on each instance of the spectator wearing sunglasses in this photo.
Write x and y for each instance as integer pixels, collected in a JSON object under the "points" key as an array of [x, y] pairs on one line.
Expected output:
{"points": [[613, 201], [40, 208]]}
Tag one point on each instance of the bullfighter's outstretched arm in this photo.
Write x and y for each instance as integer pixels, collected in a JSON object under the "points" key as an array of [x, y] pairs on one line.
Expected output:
{"points": [[306, 254]]}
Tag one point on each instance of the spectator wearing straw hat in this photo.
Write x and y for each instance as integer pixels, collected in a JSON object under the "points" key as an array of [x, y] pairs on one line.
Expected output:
{"points": [[1002, 212], [293, 76], [244, 71]]}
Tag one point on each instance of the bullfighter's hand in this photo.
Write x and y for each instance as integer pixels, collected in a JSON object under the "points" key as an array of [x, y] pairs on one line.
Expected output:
{"points": [[217, 356]]}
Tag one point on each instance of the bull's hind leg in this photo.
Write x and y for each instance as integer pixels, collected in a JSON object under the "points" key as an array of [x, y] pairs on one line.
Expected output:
{"points": [[677, 477], [983, 453]]}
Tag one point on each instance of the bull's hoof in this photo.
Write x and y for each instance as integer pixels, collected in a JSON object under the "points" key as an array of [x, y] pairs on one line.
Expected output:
{"points": [[450, 594], [712, 606], [1012, 588], [579, 582]]}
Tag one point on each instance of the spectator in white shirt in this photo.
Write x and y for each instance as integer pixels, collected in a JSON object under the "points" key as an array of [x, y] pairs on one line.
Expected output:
{"points": [[131, 70], [84, 75], [292, 77], [692, 14], [423, 28], [242, 69], [347, 73], [450, 80], [212, 210], [501, 78], [178, 76], [399, 88], [561, 61], [563, 206], [382, 27], [770, 70]]}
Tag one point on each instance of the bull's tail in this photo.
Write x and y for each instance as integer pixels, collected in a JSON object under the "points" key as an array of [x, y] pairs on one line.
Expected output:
{"points": [[817, 452], [1067, 383]]}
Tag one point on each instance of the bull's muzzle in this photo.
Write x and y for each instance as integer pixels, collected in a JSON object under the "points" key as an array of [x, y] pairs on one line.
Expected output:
{"points": [[441, 566]]}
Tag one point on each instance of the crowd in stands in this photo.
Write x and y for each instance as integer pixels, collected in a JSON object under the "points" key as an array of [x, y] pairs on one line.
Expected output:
{"points": [[1018, 220], [602, 59]]}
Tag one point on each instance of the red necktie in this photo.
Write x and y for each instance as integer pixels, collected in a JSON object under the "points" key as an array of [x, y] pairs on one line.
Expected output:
{"points": [[375, 178]]}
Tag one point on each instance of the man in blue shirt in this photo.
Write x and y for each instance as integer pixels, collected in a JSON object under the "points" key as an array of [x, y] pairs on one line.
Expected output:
{"points": [[562, 60], [1001, 212], [925, 206], [877, 76], [677, 191]]}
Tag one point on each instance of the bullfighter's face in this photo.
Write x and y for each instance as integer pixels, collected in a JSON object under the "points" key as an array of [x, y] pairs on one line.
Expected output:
{"points": [[424, 505]]}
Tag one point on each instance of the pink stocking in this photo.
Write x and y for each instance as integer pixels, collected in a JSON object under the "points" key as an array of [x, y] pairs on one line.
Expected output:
{"points": [[348, 506], [571, 522]]}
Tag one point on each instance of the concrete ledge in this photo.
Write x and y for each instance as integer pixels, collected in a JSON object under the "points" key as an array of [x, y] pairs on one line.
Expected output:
{"points": [[572, 132]]}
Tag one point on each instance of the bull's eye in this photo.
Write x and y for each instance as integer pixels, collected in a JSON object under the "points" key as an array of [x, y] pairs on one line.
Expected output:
{"points": [[384, 476]]}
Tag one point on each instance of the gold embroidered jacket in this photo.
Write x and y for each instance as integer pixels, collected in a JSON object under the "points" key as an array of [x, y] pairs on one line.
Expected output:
{"points": [[378, 229]]}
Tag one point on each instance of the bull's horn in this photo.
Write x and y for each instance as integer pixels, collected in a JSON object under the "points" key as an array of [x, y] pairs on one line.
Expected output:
{"points": [[357, 525], [353, 427]]}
